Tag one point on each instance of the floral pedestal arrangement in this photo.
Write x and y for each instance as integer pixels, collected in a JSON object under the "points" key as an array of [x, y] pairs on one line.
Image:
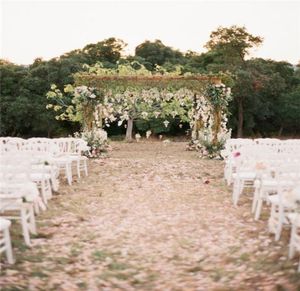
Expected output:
{"points": [[97, 142]]}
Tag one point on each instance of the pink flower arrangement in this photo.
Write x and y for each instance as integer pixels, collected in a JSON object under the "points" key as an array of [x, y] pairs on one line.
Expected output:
{"points": [[236, 154]]}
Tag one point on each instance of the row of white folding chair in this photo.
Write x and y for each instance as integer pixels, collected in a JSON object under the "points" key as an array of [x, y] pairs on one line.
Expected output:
{"points": [[49, 151], [64, 151], [283, 203], [268, 180], [18, 196], [275, 224], [285, 210], [67, 150], [246, 155], [19, 193], [277, 173], [285, 200], [72, 148], [44, 176], [249, 169], [234, 145], [41, 170], [244, 152], [56, 145]]}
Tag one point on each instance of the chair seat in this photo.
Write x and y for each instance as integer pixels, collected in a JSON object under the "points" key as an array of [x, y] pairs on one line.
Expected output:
{"points": [[273, 182], [274, 199], [27, 190], [294, 218], [62, 160], [40, 176], [77, 157], [245, 175]]}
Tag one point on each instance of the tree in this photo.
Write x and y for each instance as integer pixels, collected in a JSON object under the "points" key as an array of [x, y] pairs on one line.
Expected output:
{"points": [[23, 98], [108, 50], [156, 53], [232, 45], [11, 79]]}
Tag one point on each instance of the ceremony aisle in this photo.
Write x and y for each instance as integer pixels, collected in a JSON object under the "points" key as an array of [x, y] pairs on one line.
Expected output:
{"points": [[151, 216]]}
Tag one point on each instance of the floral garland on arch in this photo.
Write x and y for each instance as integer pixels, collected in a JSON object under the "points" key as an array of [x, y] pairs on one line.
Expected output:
{"points": [[80, 104], [120, 100], [209, 121]]}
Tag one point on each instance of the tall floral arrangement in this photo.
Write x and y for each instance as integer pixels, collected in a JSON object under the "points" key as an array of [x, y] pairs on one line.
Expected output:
{"points": [[210, 116], [82, 104], [97, 142]]}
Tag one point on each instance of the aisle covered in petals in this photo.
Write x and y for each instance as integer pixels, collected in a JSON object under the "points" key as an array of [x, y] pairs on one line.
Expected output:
{"points": [[151, 216]]}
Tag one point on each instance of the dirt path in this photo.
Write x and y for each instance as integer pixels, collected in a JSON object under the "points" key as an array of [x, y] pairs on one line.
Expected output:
{"points": [[151, 217]]}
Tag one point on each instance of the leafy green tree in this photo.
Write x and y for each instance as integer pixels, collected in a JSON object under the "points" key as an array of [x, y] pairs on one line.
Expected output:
{"points": [[108, 50], [23, 101], [10, 106], [156, 53], [231, 46], [261, 85], [233, 43]]}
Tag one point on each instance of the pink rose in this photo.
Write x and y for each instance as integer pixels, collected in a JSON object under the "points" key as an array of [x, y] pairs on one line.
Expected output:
{"points": [[236, 154]]}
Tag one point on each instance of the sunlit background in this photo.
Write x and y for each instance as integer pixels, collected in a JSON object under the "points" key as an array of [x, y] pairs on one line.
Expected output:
{"points": [[46, 29]]}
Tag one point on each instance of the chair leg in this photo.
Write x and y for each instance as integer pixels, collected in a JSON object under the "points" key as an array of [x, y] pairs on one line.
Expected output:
{"points": [[36, 207], [54, 180], [54, 183], [278, 231], [48, 189], [280, 223], [8, 248], [259, 205], [258, 209], [78, 168], [236, 190], [25, 228], [291, 246], [69, 173], [31, 219], [85, 167], [43, 191], [40, 204], [255, 200]]}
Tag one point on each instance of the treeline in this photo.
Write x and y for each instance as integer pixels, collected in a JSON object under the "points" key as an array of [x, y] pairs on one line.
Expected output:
{"points": [[266, 93]]}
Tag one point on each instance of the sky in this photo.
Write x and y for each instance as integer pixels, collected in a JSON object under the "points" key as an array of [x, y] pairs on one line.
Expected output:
{"points": [[47, 29]]}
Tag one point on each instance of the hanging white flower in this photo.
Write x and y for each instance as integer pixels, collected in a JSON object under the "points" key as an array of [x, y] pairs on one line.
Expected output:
{"points": [[166, 123], [144, 114], [156, 114], [137, 137], [174, 113], [148, 133], [120, 122]]}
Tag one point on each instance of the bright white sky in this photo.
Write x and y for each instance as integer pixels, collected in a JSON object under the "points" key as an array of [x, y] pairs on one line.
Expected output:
{"points": [[31, 29]]}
